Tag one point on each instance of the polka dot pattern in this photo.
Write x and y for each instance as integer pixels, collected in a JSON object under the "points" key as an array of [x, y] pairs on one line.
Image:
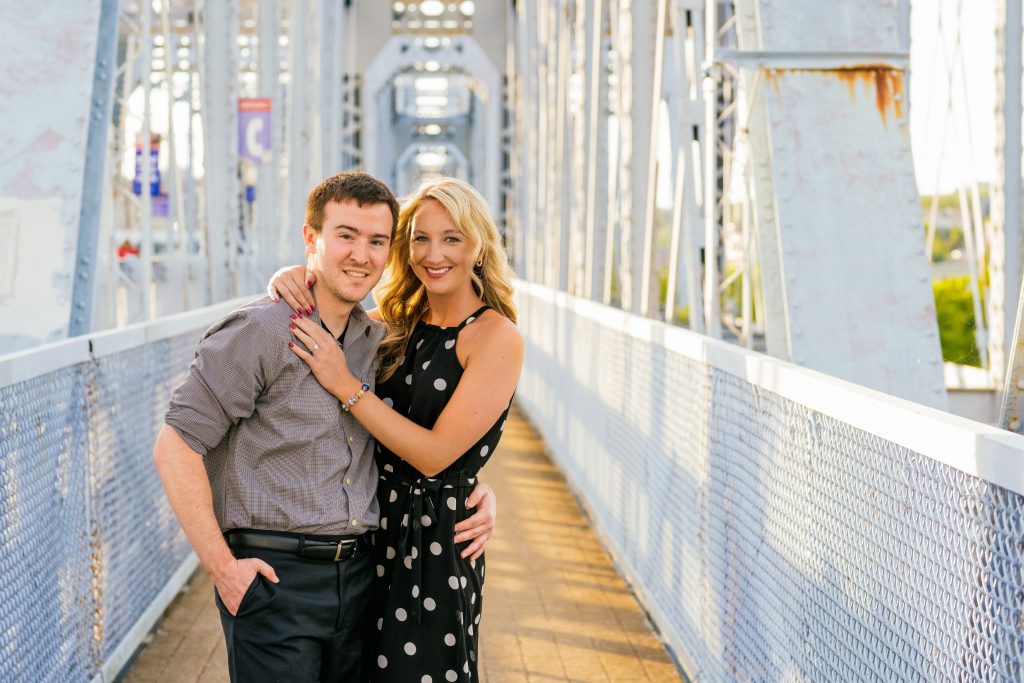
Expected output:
{"points": [[429, 599]]}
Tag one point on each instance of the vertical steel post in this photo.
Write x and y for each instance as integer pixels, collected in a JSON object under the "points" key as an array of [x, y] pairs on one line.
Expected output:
{"points": [[597, 152], [220, 123], [712, 313], [268, 229], [333, 81], [95, 174], [563, 145], [648, 283], [175, 259], [1012, 161], [678, 190], [298, 133], [197, 278], [1010, 174], [145, 281], [542, 223]]}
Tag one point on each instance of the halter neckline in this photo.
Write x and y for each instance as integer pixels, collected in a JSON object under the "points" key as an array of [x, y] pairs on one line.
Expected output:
{"points": [[470, 318]]}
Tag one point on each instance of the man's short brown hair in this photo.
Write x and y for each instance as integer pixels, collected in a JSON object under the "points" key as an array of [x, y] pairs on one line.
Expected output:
{"points": [[356, 186]]}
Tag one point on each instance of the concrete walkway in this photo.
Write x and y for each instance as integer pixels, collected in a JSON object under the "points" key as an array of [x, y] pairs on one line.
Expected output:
{"points": [[555, 608]]}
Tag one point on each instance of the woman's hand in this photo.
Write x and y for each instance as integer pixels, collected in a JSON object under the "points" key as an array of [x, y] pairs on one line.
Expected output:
{"points": [[480, 525], [324, 357], [294, 284]]}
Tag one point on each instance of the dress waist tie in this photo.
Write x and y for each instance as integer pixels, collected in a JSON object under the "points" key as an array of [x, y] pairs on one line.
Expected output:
{"points": [[422, 509]]}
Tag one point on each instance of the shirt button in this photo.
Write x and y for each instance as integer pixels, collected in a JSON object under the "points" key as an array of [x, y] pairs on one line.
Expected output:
{"points": [[348, 482], [355, 522], [350, 439]]}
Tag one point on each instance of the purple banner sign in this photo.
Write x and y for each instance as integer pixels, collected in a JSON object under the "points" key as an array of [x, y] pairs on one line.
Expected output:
{"points": [[254, 129]]}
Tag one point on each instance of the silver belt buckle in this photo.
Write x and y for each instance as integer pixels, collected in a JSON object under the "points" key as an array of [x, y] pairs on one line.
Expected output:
{"points": [[348, 543]]}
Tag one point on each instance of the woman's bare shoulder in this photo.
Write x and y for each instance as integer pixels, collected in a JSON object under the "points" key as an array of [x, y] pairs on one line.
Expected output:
{"points": [[493, 330], [374, 314]]}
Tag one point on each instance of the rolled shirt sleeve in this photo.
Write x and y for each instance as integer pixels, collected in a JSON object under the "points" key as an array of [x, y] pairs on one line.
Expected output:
{"points": [[223, 383]]}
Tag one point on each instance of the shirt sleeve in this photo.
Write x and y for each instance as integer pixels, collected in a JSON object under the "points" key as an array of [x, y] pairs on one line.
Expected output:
{"points": [[233, 363]]}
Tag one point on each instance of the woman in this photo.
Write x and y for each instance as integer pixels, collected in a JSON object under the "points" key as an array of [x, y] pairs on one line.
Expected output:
{"points": [[448, 368]]}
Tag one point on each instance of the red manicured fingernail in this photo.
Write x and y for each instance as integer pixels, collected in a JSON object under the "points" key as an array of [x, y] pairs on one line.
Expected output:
{"points": [[292, 326], [309, 285], [309, 311], [291, 345], [294, 318], [299, 311]]}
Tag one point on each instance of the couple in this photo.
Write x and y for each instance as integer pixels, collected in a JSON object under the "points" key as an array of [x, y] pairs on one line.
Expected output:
{"points": [[322, 460]]}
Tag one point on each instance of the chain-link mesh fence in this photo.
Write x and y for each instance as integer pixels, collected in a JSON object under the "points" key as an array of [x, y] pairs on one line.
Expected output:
{"points": [[88, 540], [771, 541]]}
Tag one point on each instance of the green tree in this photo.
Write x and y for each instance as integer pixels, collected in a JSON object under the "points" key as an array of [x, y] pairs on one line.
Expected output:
{"points": [[955, 312]]}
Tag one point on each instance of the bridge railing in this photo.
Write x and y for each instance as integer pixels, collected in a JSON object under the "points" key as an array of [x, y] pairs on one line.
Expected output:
{"points": [[90, 553], [777, 523]]}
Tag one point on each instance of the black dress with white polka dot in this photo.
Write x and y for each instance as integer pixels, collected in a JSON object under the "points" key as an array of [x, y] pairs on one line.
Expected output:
{"points": [[426, 599]]}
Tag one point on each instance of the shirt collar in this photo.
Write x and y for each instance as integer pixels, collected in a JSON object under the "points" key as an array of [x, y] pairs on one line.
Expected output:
{"points": [[359, 323]]}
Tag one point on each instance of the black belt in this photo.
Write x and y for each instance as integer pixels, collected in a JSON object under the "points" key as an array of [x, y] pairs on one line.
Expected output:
{"points": [[312, 548]]}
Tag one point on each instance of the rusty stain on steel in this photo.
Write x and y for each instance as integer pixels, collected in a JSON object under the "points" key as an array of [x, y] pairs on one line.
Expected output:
{"points": [[886, 80]]}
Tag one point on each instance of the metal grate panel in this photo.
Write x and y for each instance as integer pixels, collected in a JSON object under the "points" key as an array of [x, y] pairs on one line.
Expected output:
{"points": [[88, 540], [142, 542], [46, 598], [774, 542]]}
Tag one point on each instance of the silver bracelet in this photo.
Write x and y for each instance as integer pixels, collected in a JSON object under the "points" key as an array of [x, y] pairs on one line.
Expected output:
{"points": [[347, 405]]}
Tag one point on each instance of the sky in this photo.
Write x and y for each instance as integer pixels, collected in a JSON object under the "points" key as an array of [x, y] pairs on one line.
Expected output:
{"points": [[967, 150]]}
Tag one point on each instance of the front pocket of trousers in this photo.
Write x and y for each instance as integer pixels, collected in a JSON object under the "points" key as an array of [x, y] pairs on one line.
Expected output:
{"points": [[246, 597]]}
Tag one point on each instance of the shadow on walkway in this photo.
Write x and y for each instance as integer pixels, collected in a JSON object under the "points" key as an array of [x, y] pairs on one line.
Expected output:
{"points": [[555, 610]]}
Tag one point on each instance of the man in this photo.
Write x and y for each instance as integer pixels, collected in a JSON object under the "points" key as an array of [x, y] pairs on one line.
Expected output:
{"points": [[272, 482]]}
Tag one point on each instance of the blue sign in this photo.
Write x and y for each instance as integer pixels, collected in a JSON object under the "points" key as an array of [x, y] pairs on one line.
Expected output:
{"points": [[154, 165]]}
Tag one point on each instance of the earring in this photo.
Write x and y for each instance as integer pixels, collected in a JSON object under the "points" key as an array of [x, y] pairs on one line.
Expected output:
{"points": [[480, 263]]}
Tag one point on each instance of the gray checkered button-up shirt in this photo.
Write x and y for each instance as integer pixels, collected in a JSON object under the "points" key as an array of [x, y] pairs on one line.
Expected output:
{"points": [[280, 452]]}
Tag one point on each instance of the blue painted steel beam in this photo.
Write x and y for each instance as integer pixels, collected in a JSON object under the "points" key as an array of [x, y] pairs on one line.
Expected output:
{"points": [[95, 175]]}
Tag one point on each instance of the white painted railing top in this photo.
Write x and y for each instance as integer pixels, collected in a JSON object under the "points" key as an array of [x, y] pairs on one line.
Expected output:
{"points": [[30, 363], [980, 450]]}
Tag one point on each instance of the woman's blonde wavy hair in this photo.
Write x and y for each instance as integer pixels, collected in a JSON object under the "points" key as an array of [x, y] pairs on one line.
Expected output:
{"points": [[401, 297]]}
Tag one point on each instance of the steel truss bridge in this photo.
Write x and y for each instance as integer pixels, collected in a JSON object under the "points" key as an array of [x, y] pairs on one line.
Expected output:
{"points": [[725, 287]]}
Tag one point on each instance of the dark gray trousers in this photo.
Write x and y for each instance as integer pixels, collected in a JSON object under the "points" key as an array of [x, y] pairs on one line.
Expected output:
{"points": [[308, 627]]}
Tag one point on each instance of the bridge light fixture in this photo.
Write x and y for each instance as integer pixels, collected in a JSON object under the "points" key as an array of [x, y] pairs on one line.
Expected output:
{"points": [[433, 84], [432, 8], [432, 158]]}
